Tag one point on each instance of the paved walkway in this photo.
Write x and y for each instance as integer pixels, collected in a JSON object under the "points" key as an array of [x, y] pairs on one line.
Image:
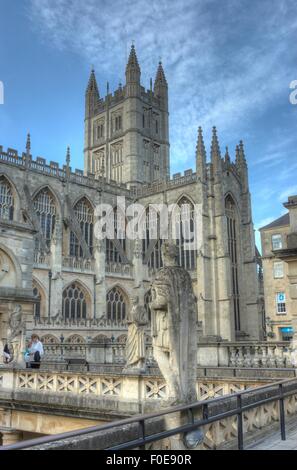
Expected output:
{"points": [[274, 441]]}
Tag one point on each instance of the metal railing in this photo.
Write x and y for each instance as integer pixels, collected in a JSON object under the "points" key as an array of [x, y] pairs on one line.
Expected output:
{"points": [[192, 424]]}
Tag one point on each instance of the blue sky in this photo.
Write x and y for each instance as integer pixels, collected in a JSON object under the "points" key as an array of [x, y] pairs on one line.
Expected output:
{"points": [[228, 63]]}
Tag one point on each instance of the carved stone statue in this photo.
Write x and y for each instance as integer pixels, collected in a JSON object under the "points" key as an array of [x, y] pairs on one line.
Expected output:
{"points": [[15, 332], [174, 319], [135, 344]]}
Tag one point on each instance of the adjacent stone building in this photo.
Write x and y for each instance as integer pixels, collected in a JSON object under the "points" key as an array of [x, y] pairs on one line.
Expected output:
{"points": [[76, 288], [278, 253], [278, 310]]}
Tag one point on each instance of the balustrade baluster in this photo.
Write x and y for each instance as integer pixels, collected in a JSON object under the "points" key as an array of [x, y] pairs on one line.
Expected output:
{"points": [[240, 358]]}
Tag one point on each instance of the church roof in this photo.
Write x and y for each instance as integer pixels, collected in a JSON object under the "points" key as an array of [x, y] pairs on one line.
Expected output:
{"points": [[280, 222]]}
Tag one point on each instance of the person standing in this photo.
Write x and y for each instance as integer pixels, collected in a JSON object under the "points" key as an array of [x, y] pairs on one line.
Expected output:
{"points": [[36, 351]]}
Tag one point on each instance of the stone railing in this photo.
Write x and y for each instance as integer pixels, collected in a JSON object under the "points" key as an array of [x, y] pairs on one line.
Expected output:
{"points": [[119, 354], [249, 355], [104, 353], [123, 386], [82, 323], [125, 270], [41, 259], [54, 351], [258, 354], [78, 264], [251, 414]]}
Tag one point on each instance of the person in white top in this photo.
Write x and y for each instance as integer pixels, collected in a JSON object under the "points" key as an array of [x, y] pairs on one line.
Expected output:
{"points": [[35, 351]]}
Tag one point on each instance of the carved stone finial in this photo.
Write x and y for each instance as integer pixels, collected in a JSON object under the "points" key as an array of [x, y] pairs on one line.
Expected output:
{"points": [[28, 144], [68, 156], [227, 156]]}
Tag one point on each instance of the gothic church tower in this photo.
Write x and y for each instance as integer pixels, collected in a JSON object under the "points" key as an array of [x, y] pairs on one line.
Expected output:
{"points": [[126, 133]]}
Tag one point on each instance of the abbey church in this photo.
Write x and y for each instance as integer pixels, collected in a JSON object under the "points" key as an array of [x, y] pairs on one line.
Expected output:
{"points": [[77, 289]]}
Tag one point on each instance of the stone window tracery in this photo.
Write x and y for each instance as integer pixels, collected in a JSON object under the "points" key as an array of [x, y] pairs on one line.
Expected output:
{"points": [[232, 230], [152, 235], [184, 220], [37, 303], [116, 305], [112, 253], [85, 217], [74, 305], [6, 200], [45, 208], [117, 162]]}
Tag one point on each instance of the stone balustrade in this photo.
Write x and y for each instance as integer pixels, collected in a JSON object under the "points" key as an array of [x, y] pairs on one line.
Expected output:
{"points": [[79, 323], [260, 355], [257, 354], [124, 270], [78, 264], [123, 386], [41, 260]]}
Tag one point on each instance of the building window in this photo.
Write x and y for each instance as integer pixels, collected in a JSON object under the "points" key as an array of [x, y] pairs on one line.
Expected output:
{"points": [[37, 303], [45, 209], [157, 127], [184, 226], [117, 123], [74, 304], [277, 243], [152, 243], [117, 162], [6, 200], [99, 163], [280, 303], [278, 269], [116, 305], [100, 131], [85, 217], [232, 230], [113, 254]]}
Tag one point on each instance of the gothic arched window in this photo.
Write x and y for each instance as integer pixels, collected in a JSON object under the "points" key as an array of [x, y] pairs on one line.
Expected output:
{"points": [[115, 249], [45, 209], [152, 243], [184, 220], [37, 303], [74, 304], [85, 217], [116, 305], [232, 231], [6, 200]]}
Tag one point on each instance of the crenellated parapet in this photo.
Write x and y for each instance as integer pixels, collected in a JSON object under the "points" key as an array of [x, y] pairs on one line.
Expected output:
{"points": [[12, 157]]}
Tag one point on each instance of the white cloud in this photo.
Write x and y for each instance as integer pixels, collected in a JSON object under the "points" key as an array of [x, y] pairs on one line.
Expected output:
{"points": [[290, 191], [211, 82]]}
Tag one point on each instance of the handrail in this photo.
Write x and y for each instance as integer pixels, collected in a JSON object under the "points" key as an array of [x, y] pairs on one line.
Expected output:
{"points": [[185, 428]]}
